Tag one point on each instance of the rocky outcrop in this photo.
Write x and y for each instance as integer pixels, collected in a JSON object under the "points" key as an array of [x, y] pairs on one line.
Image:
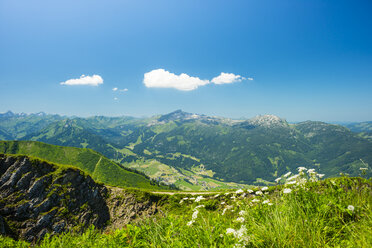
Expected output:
{"points": [[127, 206], [38, 197]]}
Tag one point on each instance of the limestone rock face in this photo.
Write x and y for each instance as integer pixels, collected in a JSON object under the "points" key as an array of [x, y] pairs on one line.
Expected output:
{"points": [[37, 198]]}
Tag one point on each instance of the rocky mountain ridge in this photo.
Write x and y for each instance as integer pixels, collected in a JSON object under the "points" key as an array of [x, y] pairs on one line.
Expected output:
{"points": [[38, 197]]}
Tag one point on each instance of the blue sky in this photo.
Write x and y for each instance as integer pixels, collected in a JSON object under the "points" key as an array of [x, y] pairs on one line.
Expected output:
{"points": [[308, 59]]}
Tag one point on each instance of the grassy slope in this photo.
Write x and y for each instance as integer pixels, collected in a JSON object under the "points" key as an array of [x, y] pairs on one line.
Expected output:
{"points": [[332, 213], [99, 167]]}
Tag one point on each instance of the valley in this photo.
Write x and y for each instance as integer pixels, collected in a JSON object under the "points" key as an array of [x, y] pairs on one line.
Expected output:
{"points": [[199, 152]]}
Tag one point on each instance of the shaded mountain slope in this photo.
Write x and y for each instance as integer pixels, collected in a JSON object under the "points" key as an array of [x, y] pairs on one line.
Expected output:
{"points": [[38, 197]]}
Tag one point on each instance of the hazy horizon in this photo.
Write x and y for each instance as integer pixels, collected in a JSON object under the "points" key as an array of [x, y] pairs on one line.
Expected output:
{"points": [[157, 114]]}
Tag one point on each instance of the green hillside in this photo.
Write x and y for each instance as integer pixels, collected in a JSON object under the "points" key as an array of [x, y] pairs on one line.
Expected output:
{"points": [[99, 167], [262, 148]]}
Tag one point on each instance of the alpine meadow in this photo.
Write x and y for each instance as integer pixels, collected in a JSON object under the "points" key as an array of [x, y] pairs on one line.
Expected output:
{"points": [[185, 124]]}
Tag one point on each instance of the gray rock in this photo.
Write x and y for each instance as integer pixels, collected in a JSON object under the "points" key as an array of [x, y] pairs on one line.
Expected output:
{"points": [[2, 226], [24, 182], [59, 227], [42, 233], [38, 186]]}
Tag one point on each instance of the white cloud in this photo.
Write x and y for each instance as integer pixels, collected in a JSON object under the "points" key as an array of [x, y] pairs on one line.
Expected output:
{"points": [[115, 98], [161, 78], [124, 90], [227, 78], [250, 79], [115, 89], [94, 80]]}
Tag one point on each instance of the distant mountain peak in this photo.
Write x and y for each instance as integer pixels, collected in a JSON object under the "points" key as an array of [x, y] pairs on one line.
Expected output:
{"points": [[267, 121], [176, 115], [7, 114], [41, 114]]}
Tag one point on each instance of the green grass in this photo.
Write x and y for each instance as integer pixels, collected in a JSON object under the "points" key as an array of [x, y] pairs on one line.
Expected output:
{"points": [[93, 163], [314, 214]]}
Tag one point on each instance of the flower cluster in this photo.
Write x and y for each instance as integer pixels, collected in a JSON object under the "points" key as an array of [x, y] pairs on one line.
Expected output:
{"points": [[304, 175], [240, 234]]}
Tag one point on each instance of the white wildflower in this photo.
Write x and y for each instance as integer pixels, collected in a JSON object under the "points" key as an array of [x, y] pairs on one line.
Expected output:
{"points": [[239, 191], [287, 174], [291, 182], [224, 211], [320, 175], [259, 192], [200, 206], [243, 195], [186, 198], [265, 202], [199, 198], [232, 197], [265, 188], [300, 169], [303, 181], [195, 214], [222, 203], [242, 212], [278, 179], [293, 177], [287, 191], [181, 201], [190, 222], [192, 198], [241, 233], [227, 193], [255, 200], [250, 191], [269, 204], [311, 172], [351, 208], [216, 195], [240, 219]]}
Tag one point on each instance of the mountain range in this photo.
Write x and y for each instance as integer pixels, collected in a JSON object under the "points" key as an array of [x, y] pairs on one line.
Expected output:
{"points": [[196, 151]]}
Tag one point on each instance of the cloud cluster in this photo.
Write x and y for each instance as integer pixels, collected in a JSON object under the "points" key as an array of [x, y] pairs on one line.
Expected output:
{"points": [[117, 89], [94, 80], [161, 78]]}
